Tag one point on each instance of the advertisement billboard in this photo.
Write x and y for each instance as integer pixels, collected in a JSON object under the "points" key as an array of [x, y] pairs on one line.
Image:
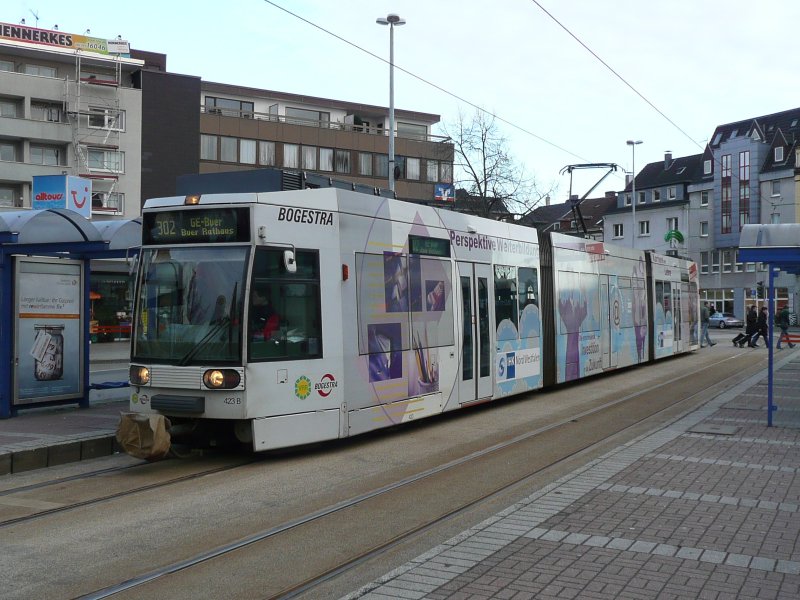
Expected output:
{"points": [[62, 191], [48, 330]]}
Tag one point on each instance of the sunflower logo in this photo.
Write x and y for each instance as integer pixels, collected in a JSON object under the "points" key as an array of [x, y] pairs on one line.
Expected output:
{"points": [[302, 387]]}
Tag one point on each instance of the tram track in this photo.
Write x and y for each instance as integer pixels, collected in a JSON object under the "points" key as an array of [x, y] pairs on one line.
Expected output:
{"points": [[369, 503], [77, 479]]}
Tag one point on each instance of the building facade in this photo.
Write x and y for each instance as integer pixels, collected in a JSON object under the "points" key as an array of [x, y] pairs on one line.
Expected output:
{"points": [[69, 106], [247, 128], [749, 173]]}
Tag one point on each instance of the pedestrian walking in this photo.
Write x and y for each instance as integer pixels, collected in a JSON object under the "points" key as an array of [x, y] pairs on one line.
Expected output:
{"points": [[762, 328], [705, 313], [751, 327], [782, 321]]}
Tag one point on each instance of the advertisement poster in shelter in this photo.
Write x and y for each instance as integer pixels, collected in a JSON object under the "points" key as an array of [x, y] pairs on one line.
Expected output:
{"points": [[48, 332]]}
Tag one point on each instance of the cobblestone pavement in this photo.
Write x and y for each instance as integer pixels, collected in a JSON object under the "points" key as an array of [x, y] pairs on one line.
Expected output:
{"points": [[708, 507]]}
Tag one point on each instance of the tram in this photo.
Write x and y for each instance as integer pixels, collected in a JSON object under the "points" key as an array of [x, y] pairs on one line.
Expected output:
{"points": [[291, 317]]}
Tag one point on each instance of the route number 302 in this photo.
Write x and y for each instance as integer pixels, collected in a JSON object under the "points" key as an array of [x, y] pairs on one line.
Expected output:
{"points": [[232, 400]]}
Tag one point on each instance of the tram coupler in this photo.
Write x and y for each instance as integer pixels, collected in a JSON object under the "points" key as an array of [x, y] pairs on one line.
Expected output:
{"points": [[144, 436]]}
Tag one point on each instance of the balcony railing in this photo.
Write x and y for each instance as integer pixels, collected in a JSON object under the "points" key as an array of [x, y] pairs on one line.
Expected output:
{"points": [[335, 125]]}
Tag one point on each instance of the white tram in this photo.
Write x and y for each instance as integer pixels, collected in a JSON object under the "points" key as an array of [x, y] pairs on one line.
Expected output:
{"points": [[291, 317]]}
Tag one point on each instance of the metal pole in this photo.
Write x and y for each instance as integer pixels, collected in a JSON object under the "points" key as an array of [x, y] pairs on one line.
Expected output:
{"points": [[633, 144], [391, 106]]}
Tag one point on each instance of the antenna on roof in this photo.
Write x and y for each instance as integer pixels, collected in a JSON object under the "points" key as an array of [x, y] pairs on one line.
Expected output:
{"points": [[35, 14]]}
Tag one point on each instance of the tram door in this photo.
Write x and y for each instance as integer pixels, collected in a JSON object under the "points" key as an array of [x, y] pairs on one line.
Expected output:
{"points": [[609, 323], [678, 291], [475, 375]]}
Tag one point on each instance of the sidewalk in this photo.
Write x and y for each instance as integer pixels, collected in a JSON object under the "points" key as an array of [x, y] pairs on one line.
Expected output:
{"points": [[707, 507], [49, 436]]}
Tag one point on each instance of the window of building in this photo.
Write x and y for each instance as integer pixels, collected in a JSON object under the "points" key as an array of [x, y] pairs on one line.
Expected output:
{"points": [[45, 155], [412, 169], [342, 164], [627, 199], [39, 70], [672, 223], [775, 218], [326, 159], [641, 197], [8, 108], [108, 202], [8, 151], [779, 154], [656, 195], [703, 262], [382, 165], [291, 156], [744, 204], [703, 228], [6, 65], [446, 172], [410, 130], [744, 165], [227, 149], [726, 206], [399, 167], [101, 159], [266, 153], [46, 111], [776, 187], [727, 260], [208, 147], [106, 118], [247, 152], [672, 192], [726, 165], [432, 172], [644, 228], [310, 158], [229, 107], [706, 167], [750, 267], [365, 163], [303, 116], [7, 195], [619, 230], [715, 261], [704, 198]]}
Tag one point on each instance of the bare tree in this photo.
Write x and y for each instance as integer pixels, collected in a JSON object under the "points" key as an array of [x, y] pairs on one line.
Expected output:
{"points": [[496, 185]]}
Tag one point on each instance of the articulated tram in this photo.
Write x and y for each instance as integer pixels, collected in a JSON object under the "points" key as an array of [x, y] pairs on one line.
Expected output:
{"points": [[291, 317]]}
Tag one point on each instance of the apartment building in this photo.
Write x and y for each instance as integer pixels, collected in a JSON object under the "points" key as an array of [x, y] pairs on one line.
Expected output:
{"points": [[247, 128], [749, 173], [68, 106]]}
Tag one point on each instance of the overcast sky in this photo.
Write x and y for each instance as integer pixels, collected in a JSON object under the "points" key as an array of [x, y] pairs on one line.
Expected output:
{"points": [[700, 62]]}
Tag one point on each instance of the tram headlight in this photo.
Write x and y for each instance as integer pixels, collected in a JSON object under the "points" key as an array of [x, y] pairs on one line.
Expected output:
{"points": [[139, 375], [221, 379]]}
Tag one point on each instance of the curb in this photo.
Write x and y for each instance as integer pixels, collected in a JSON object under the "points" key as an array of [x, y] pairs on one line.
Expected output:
{"points": [[60, 453]]}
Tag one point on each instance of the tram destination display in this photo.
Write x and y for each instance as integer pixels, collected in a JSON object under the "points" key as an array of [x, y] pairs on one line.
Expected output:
{"points": [[198, 226]]}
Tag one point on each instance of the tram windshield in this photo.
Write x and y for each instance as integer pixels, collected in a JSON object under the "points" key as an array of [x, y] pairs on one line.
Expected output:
{"points": [[189, 305]]}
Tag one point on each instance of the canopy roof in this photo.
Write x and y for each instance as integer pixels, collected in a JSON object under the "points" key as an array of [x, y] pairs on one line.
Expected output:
{"points": [[777, 245]]}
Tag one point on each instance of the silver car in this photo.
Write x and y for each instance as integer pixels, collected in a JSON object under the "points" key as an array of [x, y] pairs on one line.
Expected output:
{"points": [[723, 320]]}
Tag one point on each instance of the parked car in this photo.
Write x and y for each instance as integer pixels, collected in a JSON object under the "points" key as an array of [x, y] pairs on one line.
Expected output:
{"points": [[723, 320]]}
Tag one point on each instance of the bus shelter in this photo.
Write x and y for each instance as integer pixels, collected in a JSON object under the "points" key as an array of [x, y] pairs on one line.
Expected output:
{"points": [[777, 246], [45, 268]]}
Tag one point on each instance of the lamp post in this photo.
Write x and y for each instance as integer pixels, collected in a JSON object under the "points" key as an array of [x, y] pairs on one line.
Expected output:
{"points": [[633, 144], [391, 20]]}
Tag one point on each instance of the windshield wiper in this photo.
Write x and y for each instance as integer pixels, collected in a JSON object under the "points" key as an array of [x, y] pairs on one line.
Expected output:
{"points": [[204, 341]]}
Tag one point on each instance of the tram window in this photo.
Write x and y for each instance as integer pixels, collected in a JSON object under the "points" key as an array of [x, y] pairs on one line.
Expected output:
{"points": [[284, 320], [528, 303], [505, 301], [431, 300]]}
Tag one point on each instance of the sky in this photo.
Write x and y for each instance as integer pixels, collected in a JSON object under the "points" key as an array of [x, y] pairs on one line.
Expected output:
{"points": [[664, 72]]}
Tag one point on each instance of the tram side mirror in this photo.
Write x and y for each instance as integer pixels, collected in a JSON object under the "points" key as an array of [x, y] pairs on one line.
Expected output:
{"points": [[133, 264], [289, 262]]}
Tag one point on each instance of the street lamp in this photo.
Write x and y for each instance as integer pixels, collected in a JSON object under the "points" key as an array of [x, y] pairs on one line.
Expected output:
{"points": [[391, 20], [633, 145]]}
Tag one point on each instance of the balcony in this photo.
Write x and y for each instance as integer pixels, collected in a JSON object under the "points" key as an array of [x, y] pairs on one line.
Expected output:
{"points": [[327, 125]]}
